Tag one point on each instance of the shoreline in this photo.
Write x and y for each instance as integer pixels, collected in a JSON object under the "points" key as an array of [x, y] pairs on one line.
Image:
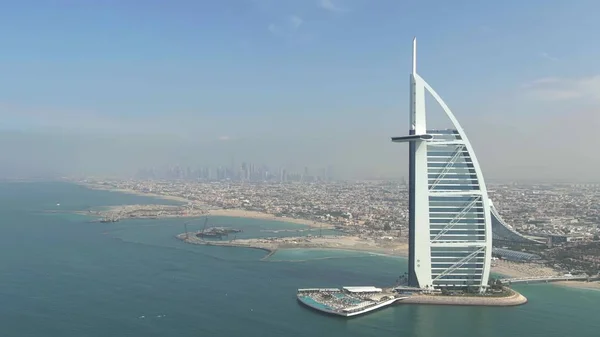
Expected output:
{"points": [[508, 269], [134, 192], [242, 213], [226, 212], [192, 239], [594, 285], [505, 268]]}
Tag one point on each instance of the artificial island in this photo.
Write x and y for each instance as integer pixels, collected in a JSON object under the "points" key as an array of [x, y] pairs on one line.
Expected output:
{"points": [[450, 223]]}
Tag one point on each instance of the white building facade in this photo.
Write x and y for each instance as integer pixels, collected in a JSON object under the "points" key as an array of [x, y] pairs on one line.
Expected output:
{"points": [[450, 234]]}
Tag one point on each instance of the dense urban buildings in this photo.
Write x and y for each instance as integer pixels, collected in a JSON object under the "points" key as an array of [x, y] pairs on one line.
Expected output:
{"points": [[566, 216], [502, 232], [568, 212], [450, 228]]}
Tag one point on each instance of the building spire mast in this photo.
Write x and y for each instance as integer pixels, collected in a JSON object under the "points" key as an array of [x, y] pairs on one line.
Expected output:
{"points": [[414, 56]]}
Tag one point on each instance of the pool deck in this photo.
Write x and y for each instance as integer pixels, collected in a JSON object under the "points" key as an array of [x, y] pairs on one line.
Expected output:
{"points": [[328, 310], [342, 303], [347, 301]]}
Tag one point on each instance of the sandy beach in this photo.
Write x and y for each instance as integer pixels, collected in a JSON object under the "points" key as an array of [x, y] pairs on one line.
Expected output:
{"points": [[134, 192], [241, 213], [595, 285], [238, 213], [506, 268], [516, 269]]}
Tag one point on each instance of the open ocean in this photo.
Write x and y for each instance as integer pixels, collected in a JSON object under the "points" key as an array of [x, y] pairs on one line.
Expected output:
{"points": [[63, 276]]}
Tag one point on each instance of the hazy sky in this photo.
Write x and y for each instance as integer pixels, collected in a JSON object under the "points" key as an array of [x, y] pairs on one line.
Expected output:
{"points": [[111, 86]]}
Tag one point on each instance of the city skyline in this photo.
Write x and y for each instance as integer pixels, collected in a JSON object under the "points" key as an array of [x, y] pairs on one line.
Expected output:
{"points": [[111, 87], [244, 172]]}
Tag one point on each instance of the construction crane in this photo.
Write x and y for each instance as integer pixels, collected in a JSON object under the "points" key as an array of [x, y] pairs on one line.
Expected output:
{"points": [[205, 223], [187, 234]]}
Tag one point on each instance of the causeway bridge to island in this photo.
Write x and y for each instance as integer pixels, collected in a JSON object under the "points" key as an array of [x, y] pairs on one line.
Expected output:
{"points": [[546, 279]]}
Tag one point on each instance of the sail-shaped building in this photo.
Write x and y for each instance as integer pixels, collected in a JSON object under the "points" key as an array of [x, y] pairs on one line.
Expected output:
{"points": [[451, 224], [450, 227]]}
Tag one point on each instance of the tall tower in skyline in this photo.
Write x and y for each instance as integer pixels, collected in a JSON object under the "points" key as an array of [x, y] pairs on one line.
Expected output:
{"points": [[450, 234]]}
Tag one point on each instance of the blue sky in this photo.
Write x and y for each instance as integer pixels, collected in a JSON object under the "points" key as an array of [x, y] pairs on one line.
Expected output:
{"points": [[243, 69]]}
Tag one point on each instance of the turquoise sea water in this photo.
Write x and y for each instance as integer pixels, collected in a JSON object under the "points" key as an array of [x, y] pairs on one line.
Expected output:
{"points": [[62, 276]]}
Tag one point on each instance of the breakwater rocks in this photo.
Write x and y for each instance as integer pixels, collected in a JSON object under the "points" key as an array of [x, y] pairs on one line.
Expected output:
{"points": [[195, 240], [343, 242], [513, 299]]}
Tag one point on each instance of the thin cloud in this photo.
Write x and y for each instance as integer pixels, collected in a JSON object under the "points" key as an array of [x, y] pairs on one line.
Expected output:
{"points": [[541, 81], [554, 94], [35, 118], [274, 29], [330, 6], [548, 56], [562, 89], [287, 28], [296, 22]]}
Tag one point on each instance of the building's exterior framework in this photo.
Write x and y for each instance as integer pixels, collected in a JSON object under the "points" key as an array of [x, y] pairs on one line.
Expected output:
{"points": [[450, 233]]}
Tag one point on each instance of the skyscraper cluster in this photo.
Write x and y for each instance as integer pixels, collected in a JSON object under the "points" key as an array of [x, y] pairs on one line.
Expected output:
{"points": [[249, 172]]}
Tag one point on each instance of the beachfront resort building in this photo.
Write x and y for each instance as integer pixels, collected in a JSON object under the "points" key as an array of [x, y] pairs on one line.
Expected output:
{"points": [[450, 233]]}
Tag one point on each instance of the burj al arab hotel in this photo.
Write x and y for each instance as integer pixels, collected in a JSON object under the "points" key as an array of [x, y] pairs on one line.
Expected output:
{"points": [[450, 225]]}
